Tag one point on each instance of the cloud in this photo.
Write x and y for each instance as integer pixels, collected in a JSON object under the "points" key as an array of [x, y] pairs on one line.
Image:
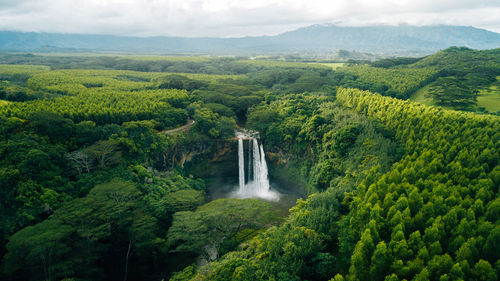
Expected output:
{"points": [[225, 18]]}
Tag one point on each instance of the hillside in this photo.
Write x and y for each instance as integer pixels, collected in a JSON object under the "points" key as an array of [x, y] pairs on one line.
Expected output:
{"points": [[467, 79], [457, 78]]}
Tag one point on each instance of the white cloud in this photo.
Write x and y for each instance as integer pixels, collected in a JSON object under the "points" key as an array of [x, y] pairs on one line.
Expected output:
{"points": [[225, 18]]}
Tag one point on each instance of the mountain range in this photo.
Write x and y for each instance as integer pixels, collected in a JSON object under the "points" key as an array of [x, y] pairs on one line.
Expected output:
{"points": [[315, 39]]}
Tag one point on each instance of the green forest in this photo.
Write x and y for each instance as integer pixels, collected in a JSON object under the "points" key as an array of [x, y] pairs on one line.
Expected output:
{"points": [[108, 165]]}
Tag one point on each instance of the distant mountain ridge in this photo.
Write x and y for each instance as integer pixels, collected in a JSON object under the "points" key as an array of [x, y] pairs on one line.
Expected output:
{"points": [[325, 38]]}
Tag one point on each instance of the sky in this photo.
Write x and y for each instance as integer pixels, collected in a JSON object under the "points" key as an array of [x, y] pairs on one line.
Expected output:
{"points": [[235, 18]]}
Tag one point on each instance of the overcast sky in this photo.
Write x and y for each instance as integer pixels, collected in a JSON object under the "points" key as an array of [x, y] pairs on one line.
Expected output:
{"points": [[231, 18]]}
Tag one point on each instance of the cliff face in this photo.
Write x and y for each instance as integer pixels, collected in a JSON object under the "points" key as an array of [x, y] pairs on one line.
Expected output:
{"points": [[216, 159], [220, 152], [225, 151]]}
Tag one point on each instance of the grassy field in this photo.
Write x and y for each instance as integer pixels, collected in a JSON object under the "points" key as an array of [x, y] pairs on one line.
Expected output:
{"points": [[487, 98], [490, 98], [419, 96]]}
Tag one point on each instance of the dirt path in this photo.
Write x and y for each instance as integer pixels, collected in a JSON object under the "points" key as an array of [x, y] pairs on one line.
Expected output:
{"points": [[181, 128]]}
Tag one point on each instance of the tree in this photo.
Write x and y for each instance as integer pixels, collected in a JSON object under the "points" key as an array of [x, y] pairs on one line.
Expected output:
{"points": [[344, 138], [107, 226], [337, 277], [450, 91], [261, 119], [361, 257], [184, 275], [211, 230], [483, 271], [38, 164], [380, 262], [182, 200], [439, 265], [56, 127], [39, 250], [81, 161], [105, 152], [492, 246]]}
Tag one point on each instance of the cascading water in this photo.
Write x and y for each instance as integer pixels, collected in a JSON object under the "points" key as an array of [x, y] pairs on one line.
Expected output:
{"points": [[258, 182], [249, 161], [264, 181], [241, 164], [256, 163]]}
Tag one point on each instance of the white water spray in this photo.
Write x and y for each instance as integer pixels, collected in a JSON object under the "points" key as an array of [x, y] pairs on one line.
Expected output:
{"points": [[258, 183]]}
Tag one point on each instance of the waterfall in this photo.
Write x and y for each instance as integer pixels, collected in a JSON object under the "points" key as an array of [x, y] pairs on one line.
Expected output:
{"points": [[241, 164], [249, 161], [263, 180], [258, 181], [256, 164]]}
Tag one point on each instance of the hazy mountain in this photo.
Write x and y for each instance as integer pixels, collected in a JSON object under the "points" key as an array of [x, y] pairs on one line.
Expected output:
{"points": [[313, 39], [390, 38]]}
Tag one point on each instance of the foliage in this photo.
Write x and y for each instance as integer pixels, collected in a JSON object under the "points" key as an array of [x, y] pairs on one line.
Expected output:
{"points": [[225, 65], [91, 190], [400, 83], [89, 127], [451, 92], [52, 248], [392, 62], [315, 129], [430, 215], [443, 185], [102, 108], [463, 72], [212, 229], [329, 143]]}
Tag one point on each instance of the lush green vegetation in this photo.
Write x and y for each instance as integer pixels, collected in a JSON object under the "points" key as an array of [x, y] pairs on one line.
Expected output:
{"points": [[455, 78], [465, 75], [432, 216], [454, 174], [487, 97], [110, 107], [84, 171], [397, 77], [323, 142], [92, 188], [400, 83], [223, 65]]}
